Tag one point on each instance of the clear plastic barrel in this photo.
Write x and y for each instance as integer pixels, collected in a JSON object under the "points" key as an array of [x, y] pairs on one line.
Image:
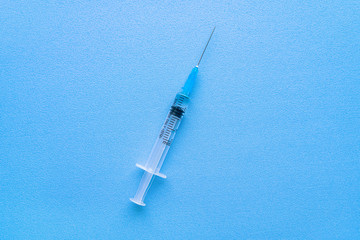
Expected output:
{"points": [[161, 147]]}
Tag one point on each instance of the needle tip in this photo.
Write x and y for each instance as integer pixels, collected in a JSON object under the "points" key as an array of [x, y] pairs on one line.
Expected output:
{"points": [[206, 46]]}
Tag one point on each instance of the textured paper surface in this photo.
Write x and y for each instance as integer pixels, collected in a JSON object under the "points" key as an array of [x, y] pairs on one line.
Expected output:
{"points": [[269, 147]]}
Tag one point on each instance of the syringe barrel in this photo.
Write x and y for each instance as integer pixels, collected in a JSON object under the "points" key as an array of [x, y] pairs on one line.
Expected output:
{"points": [[167, 133], [161, 147], [165, 138]]}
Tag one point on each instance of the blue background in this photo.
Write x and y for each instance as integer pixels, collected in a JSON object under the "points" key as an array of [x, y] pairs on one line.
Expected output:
{"points": [[269, 147]]}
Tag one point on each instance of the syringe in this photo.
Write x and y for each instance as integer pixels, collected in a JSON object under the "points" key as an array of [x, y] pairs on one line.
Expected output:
{"points": [[166, 136]]}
